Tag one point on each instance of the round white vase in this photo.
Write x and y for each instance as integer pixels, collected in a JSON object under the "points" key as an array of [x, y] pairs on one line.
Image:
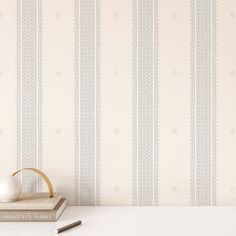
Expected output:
{"points": [[10, 188]]}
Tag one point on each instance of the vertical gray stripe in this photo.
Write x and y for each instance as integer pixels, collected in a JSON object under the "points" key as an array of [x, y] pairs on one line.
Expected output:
{"points": [[144, 118], [87, 106], [18, 44], [98, 59], [145, 102], [193, 44], [28, 90], [156, 101], [135, 102], [39, 164], [214, 57], [76, 101], [204, 106], [87, 102]]}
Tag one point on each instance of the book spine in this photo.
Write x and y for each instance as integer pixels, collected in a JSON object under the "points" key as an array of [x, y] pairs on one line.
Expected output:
{"points": [[27, 217]]}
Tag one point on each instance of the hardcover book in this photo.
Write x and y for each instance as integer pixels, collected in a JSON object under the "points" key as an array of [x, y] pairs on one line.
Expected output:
{"points": [[33, 215], [32, 201]]}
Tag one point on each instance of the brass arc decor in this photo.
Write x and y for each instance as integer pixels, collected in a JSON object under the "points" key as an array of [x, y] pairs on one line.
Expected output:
{"points": [[48, 182]]}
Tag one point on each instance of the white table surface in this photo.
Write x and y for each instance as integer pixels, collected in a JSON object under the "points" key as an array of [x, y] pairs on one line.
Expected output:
{"points": [[135, 221]]}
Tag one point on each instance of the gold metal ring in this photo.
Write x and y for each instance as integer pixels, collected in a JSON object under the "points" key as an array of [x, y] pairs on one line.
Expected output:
{"points": [[48, 182]]}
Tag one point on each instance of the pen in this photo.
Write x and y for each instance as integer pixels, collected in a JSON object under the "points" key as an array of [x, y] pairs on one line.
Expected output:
{"points": [[66, 227]]}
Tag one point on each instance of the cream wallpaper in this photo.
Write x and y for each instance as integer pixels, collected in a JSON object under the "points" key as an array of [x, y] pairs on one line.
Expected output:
{"points": [[121, 102]]}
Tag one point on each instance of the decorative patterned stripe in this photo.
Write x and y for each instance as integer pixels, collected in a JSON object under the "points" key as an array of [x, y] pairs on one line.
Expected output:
{"points": [[144, 101], [98, 59], [28, 89], [39, 160], [193, 44], [76, 101], [135, 102], [204, 106], [214, 57], [156, 101], [87, 105], [18, 44]]}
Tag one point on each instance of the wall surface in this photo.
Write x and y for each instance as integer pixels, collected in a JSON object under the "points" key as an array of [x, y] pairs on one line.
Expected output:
{"points": [[121, 102]]}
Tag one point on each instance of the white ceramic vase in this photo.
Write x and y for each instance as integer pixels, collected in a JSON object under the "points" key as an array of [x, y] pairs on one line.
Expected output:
{"points": [[10, 188]]}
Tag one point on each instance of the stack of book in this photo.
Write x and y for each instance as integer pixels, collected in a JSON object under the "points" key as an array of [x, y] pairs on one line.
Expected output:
{"points": [[33, 207]]}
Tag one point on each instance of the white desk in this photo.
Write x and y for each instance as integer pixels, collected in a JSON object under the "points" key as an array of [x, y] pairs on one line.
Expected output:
{"points": [[135, 221]]}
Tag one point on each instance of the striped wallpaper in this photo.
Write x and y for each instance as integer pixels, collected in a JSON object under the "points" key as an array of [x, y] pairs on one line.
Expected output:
{"points": [[121, 102]]}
